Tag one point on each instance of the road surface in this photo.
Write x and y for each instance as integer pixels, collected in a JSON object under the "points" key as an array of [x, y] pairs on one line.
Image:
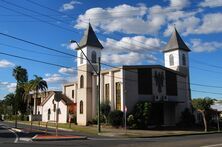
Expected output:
{"points": [[13, 138]]}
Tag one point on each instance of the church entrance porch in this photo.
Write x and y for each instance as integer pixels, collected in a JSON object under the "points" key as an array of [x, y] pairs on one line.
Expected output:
{"points": [[163, 114]]}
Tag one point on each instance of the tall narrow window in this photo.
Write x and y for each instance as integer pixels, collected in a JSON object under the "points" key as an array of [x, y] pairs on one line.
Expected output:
{"points": [[118, 96], [107, 92], [93, 57], [81, 81], [73, 94], [49, 112], [184, 59], [81, 58], [171, 58], [81, 107]]}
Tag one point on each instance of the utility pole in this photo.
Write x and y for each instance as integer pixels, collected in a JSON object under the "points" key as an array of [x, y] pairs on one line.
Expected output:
{"points": [[98, 95], [98, 75]]}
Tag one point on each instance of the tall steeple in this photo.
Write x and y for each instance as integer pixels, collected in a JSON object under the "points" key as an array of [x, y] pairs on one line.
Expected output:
{"points": [[176, 54], [90, 47], [90, 39], [175, 43]]}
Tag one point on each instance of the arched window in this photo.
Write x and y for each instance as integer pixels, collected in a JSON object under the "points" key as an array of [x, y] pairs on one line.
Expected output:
{"points": [[81, 58], [81, 81], [93, 57], [49, 112], [184, 59], [81, 107], [171, 58]]}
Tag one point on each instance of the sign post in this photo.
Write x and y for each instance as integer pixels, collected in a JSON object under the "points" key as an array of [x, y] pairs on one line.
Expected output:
{"points": [[125, 117]]}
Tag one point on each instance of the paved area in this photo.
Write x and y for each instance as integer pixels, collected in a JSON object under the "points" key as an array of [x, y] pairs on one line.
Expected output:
{"points": [[16, 138], [57, 138]]}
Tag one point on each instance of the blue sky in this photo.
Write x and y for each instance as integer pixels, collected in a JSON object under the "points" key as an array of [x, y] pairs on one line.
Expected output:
{"points": [[132, 32]]}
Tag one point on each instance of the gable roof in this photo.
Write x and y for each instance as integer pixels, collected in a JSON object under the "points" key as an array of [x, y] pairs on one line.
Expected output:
{"points": [[63, 97], [175, 42], [90, 39]]}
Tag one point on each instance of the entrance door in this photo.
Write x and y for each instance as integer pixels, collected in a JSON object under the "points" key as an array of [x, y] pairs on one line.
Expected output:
{"points": [[157, 114]]}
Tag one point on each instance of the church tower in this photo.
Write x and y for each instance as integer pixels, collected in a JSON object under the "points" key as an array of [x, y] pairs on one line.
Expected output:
{"points": [[176, 54], [86, 93]]}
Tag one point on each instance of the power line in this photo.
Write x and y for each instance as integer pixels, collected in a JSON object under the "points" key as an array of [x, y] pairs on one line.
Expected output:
{"points": [[58, 65], [57, 26], [9, 3], [79, 57], [72, 55], [29, 50], [61, 13], [124, 69], [50, 23]]}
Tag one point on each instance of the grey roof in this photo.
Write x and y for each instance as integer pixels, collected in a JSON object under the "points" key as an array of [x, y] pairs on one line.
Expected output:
{"points": [[90, 39], [175, 42]]}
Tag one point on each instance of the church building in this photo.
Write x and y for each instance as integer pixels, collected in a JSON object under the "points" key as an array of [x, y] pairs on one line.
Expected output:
{"points": [[166, 87]]}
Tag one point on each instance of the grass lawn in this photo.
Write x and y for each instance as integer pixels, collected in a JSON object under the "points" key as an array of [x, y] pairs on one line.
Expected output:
{"points": [[120, 132]]}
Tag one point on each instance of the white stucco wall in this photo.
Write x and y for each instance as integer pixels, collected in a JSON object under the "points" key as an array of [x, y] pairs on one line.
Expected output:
{"points": [[88, 51], [67, 90], [49, 105]]}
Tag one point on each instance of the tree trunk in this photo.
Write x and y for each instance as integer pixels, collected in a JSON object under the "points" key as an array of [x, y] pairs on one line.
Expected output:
{"points": [[35, 102], [204, 120]]}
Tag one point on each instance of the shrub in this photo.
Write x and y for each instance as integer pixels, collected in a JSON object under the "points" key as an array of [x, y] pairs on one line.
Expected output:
{"points": [[105, 110], [116, 118], [95, 119], [187, 118], [140, 116]]}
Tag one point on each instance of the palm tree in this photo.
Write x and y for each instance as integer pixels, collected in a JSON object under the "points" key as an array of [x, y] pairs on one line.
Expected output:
{"points": [[27, 89], [38, 84], [21, 77]]}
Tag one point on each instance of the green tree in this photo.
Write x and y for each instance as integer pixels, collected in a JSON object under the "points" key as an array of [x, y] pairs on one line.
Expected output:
{"points": [[105, 110], [1, 108], [9, 100], [202, 105], [140, 115], [38, 84], [21, 77]]}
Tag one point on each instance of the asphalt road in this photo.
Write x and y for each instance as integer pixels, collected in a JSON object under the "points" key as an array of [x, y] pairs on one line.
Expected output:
{"points": [[10, 138]]}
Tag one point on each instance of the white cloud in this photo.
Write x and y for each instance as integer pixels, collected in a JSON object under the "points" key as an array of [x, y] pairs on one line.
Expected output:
{"points": [[52, 88], [10, 87], [211, 23], [6, 63], [137, 50], [66, 70], [55, 79], [136, 43], [211, 3], [200, 46], [122, 18], [69, 6], [185, 26], [179, 4], [141, 19], [130, 58]]}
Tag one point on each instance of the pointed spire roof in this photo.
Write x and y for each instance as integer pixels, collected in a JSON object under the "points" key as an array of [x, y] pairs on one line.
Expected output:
{"points": [[176, 42], [90, 39]]}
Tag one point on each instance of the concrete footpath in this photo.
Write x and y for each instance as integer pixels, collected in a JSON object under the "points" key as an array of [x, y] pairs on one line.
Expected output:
{"points": [[70, 134]]}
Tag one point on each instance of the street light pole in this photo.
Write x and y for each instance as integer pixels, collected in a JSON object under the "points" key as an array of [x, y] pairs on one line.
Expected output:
{"points": [[98, 75]]}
